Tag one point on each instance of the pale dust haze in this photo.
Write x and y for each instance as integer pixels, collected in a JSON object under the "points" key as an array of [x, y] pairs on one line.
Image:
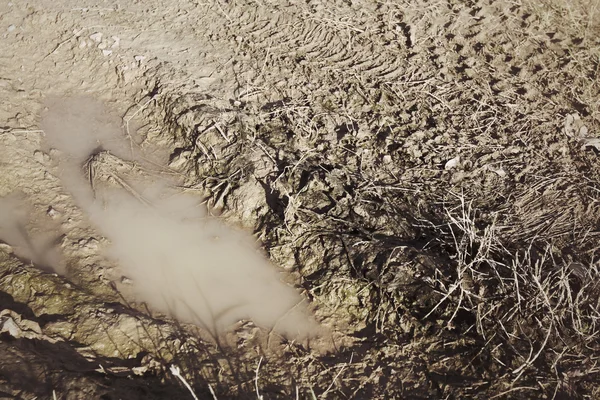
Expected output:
{"points": [[39, 248], [181, 262]]}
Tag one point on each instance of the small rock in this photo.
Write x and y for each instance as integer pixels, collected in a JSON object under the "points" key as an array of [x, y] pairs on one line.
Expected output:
{"points": [[11, 28], [570, 120], [96, 37], [9, 326], [41, 157], [139, 371], [452, 163], [52, 213], [574, 126], [18, 327], [590, 142], [106, 52]]}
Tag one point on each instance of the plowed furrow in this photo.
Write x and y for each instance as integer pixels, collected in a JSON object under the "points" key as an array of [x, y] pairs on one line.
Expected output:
{"points": [[285, 36], [381, 66], [364, 64], [324, 47], [261, 28], [314, 41], [396, 70], [337, 53]]}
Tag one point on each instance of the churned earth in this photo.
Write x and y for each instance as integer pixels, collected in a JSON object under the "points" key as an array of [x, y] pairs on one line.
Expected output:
{"points": [[311, 200]]}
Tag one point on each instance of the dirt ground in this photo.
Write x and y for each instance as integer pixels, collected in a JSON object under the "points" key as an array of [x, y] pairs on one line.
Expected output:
{"points": [[425, 173]]}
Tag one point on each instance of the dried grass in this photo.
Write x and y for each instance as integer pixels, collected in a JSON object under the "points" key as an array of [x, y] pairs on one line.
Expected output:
{"points": [[537, 314]]}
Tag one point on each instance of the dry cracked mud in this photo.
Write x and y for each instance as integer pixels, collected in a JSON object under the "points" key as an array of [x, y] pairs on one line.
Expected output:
{"points": [[423, 175]]}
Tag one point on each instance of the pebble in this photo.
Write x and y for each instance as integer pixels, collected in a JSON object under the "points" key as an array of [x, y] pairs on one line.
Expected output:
{"points": [[41, 157], [96, 37], [52, 213], [452, 163]]}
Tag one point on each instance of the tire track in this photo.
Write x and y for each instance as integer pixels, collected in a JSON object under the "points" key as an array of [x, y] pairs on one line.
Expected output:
{"points": [[309, 38]]}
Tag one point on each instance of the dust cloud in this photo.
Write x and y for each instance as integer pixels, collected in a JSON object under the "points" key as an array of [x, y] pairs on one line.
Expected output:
{"points": [[181, 261], [37, 247]]}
